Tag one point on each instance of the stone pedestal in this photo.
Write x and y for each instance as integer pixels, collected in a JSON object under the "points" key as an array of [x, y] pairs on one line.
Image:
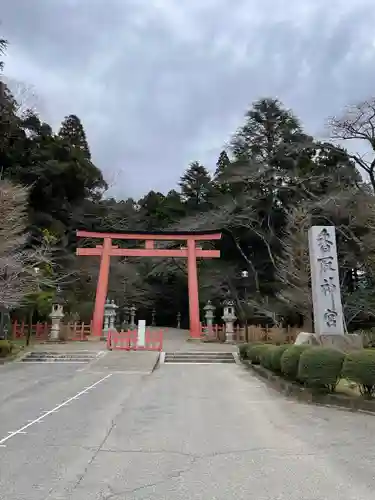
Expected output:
{"points": [[229, 318], [345, 343]]}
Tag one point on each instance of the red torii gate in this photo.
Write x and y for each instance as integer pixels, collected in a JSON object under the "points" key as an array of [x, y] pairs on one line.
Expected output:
{"points": [[191, 252]]}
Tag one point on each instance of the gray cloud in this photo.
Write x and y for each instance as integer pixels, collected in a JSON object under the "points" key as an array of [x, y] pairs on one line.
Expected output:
{"points": [[159, 84]]}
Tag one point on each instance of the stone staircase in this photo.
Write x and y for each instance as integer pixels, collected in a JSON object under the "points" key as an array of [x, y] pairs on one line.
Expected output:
{"points": [[60, 357], [198, 357]]}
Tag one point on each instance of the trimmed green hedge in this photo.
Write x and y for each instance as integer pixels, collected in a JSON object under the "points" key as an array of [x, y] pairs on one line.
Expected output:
{"points": [[359, 367], [276, 357], [320, 367], [255, 352], [267, 355], [5, 348], [290, 360], [242, 351]]}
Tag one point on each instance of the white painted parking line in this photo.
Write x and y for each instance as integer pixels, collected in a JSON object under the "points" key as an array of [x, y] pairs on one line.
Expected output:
{"points": [[37, 420]]}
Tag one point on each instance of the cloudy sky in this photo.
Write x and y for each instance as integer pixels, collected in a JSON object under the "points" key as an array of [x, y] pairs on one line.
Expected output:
{"points": [[160, 83]]}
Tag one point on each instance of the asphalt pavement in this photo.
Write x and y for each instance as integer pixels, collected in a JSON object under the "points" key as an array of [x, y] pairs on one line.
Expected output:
{"points": [[108, 430]]}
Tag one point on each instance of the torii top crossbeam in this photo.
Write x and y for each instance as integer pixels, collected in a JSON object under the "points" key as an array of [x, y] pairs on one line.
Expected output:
{"points": [[191, 252]]}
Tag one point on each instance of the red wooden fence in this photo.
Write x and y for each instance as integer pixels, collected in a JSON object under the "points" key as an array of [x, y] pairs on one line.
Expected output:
{"points": [[40, 331], [252, 333], [78, 331], [127, 340]]}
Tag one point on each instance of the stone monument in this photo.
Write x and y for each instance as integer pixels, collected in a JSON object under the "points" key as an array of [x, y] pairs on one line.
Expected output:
{"points": [[229, 318], [329, 323], [153, 316], [325, 281]]}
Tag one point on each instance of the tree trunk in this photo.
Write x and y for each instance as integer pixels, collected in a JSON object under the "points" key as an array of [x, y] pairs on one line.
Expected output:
{"points": [[29, 330], [308, 323]]}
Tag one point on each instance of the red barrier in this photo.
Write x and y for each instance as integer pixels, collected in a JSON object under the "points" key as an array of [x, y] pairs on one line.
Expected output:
{"points": [[79, 331], [127, 340], [39, 331]]}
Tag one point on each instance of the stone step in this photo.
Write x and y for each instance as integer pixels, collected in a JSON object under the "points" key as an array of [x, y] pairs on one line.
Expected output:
{"points": [[62, 355], [199, 357], [213, 358], [201, 354], [57, 357]]}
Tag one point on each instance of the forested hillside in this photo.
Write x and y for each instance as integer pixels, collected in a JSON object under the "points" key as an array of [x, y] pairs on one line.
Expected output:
{"points": [[271, 183]]}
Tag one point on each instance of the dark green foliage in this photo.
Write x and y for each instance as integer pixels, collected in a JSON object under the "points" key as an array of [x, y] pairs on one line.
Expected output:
{"points": [[320, 367], [243, 350], [73, 134], [255, 352], [290, 360], [276, 357], [5, 348], [196, 186], [271, 167], [359, 367], [266, 356]]}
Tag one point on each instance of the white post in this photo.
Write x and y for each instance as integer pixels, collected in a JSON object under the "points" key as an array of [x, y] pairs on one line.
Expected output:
{"points": [[141, 338], [325, 281]]}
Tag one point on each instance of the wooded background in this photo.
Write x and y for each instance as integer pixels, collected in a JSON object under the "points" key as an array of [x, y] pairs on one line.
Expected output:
{"points": [[271, 183]]}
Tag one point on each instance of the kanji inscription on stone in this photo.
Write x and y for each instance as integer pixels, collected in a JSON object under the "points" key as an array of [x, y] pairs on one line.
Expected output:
{"points": [[325, 282]]}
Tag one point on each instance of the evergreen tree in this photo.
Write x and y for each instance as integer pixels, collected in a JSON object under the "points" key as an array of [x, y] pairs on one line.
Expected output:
{"points": [[222, 165], [196, 185], [72, 132]]}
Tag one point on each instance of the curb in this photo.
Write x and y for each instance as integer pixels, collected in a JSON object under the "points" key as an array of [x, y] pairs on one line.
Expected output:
{"points": [[305, 395], [159, 359]]}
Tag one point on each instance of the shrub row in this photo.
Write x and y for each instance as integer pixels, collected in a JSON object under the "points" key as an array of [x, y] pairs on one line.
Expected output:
{"points": [[316, 367]]}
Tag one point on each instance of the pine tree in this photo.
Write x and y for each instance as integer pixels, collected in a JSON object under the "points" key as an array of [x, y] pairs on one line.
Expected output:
{"points": [[222, 165], [196, 185], [72, 131], [268, 126]]}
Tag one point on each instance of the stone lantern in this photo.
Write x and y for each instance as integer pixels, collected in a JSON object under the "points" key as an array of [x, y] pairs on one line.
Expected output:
{"points": [[133, 310], [178, 320], [209, 316], [56, 316], [229, 318], [125, 323], [109, 317]]}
